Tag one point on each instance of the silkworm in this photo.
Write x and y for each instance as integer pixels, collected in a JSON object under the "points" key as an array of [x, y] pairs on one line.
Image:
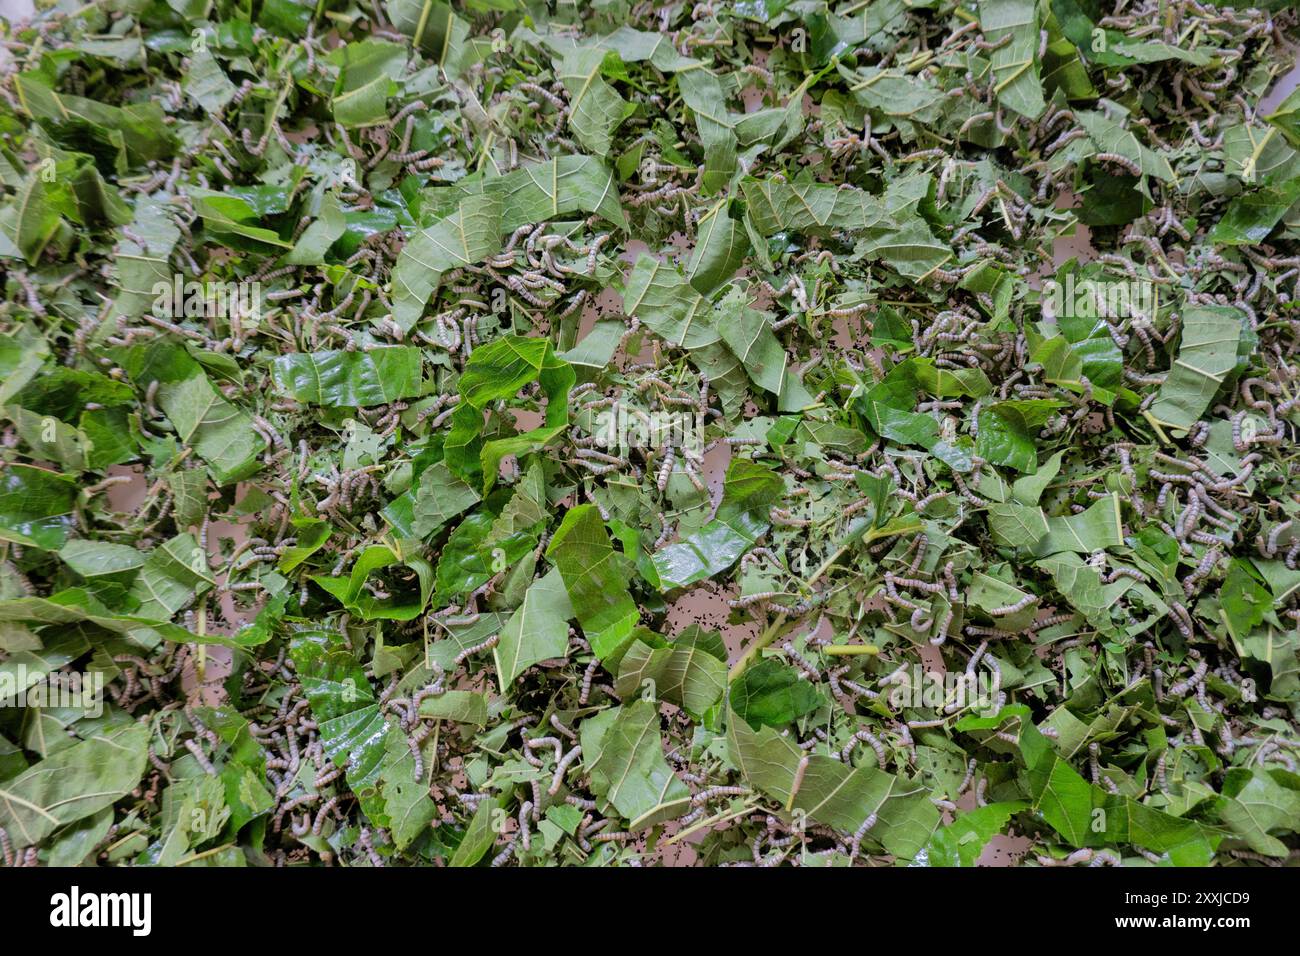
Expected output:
{"points": [[711, 793], [1118, 573], [326, 808], [535, 742], [525, 835], [970, 775], [1010, 609], [1202, 570], [1182, 687], [561, 767], [203, 761], [1123, 161], [1270, 548], [364, 841], [801, 662], [555, 722], [587, 676], [869, 738], [468, 652], [799, 772]]}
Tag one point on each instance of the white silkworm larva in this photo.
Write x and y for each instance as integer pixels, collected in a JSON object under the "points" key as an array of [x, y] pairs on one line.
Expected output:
{"points": [[490, 643], [1010, 609], [561, 767], [869, 738], [798, 778]]}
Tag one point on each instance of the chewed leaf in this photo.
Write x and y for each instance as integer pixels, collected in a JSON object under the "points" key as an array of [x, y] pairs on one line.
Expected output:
{"points": [[777, 433], [1208, 352]]}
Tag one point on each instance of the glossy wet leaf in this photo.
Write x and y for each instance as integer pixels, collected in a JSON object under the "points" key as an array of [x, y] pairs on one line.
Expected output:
{"points": [[36, 506], [171, 577], [352, 728], [1256, 803], [438, 497], [772, 694], [749, 490], [342, 378], [719, 251], [367, 72], [1252, 216], [831, 793]]}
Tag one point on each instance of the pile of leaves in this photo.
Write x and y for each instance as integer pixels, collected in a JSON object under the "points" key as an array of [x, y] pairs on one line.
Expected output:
{"points": [[613, 433]]}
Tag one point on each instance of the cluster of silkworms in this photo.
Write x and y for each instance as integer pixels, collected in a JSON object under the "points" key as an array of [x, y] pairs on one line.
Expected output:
{"points": [[882, 567]]}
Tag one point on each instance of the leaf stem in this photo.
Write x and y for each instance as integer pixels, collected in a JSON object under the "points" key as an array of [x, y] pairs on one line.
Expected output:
{"points": [[201, 665], [205, 853], [766, 638], [723, 817]]}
